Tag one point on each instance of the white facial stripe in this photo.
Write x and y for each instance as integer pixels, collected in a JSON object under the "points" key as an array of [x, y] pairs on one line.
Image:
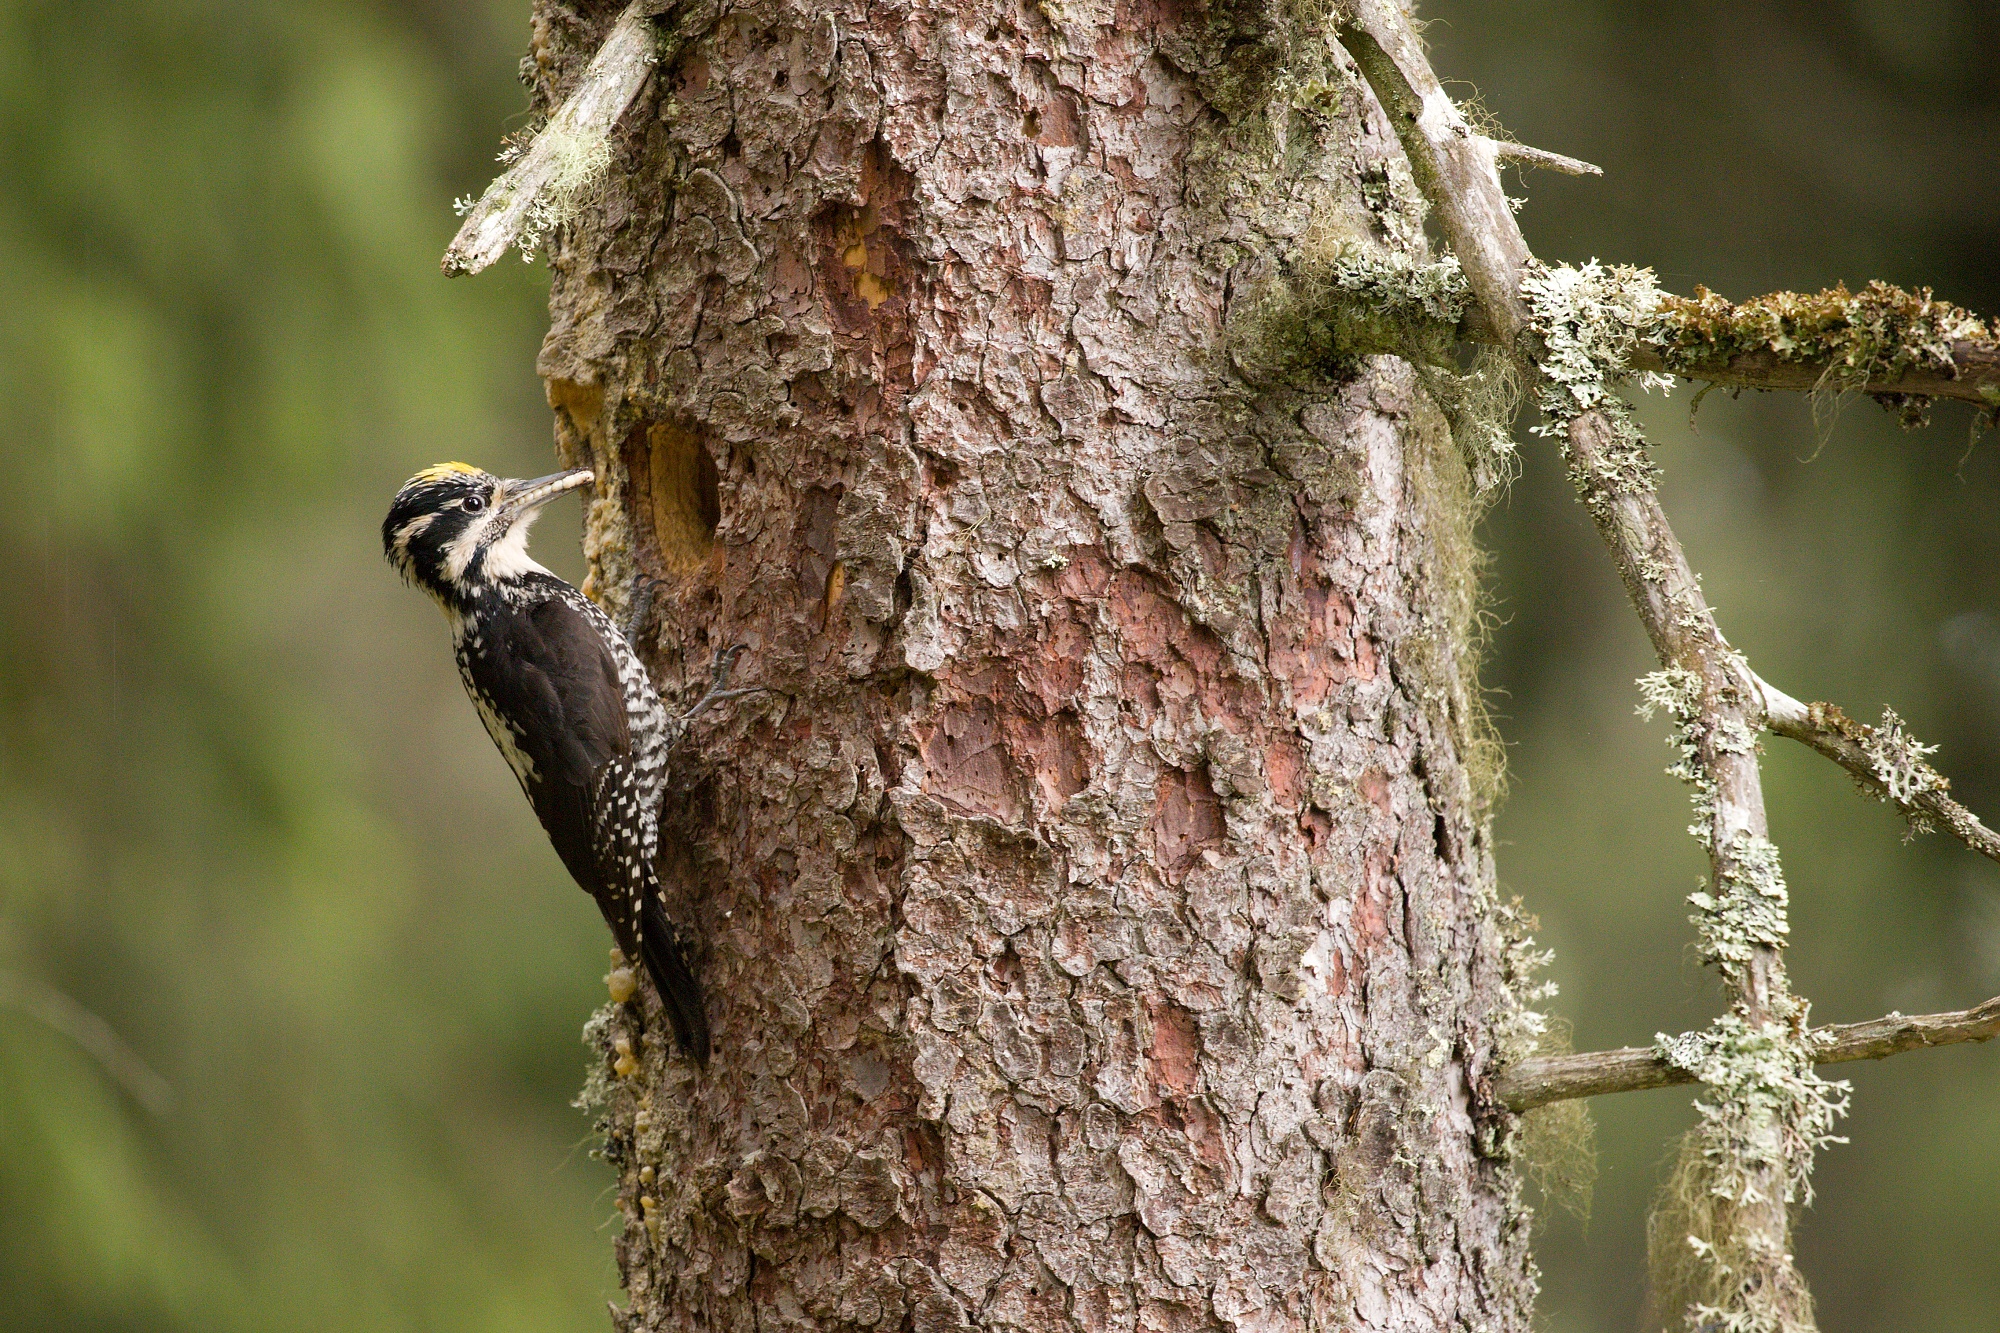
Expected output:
{"points": [[458, 555], [406, 533], [413, 527]]}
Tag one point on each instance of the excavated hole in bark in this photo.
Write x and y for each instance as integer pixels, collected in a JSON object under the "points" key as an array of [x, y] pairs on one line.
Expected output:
{"points": [[670, 464]]}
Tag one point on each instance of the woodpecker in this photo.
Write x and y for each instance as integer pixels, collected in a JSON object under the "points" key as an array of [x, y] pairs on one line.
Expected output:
{"points": [[565, 698]]}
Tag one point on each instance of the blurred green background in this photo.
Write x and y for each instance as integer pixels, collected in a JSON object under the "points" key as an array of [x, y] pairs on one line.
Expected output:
{"points": [[247, 818], [245, 813]]}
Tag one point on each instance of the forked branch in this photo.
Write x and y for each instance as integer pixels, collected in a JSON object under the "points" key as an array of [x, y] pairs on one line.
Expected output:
{"points": [[1880, 341], [1453, 166], [1571, 331]]}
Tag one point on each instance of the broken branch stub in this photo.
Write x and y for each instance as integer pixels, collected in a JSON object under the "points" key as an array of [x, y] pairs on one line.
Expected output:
{"points": [[1454, 167], [1542, 157]]}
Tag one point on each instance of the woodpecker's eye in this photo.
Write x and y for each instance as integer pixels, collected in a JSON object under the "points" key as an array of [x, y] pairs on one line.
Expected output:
{"points": [[474, 503]]}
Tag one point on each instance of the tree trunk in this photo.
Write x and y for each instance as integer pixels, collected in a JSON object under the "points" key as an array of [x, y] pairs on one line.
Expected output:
{"points": [[1098, 912]]}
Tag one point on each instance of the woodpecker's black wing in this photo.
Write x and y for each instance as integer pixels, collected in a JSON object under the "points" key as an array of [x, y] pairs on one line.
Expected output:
{"points": [[552, 682], [597, 813]]}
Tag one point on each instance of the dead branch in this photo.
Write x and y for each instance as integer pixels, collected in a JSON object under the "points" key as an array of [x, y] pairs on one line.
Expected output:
{"points": [[1882, 341], [1830, 341], [98, 1038], [1555, 1078], [1720, 709], [567, 152], [1454, 168], [1542, 157]]}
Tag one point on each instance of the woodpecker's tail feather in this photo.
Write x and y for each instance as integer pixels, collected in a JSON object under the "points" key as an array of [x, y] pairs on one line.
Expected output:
{"points": [[673, 977]]}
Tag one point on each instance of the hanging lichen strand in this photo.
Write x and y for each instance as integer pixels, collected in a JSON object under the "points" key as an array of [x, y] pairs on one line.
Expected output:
{"points": [[1719, 1239]]}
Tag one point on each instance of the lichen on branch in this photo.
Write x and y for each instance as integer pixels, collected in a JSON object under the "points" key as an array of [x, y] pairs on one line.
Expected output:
{"points": [[1586, 321], [1588, 318], [1770, 1111], [1554, 1146], [1898, 763], [1340, 301], [1336, 303], [1851, 340], [1769, 1114]]}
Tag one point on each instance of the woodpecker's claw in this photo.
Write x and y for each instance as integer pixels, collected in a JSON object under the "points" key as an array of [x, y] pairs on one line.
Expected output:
{"points": [[725, 663]]}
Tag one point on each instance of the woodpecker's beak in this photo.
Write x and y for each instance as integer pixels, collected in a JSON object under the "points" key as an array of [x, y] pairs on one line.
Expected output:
{"points": [[520, 499]]}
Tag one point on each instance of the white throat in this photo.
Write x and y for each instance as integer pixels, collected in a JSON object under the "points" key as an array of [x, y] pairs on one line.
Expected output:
{"points": [[508, 558]]}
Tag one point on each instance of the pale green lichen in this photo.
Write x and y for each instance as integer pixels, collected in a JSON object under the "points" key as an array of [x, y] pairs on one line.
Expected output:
{"points": [[1900, 761], [1383, 301], [576, 182], [1711, 1262], [1676, 692], [595, 1094], [1748, 910], [1402, 289], [1341, 300], [1520, 1025], [1758, 1067], [1588, 320]]}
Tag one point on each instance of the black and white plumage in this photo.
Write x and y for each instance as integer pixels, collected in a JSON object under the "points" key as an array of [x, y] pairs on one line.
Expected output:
{"points": [[564, 697]]}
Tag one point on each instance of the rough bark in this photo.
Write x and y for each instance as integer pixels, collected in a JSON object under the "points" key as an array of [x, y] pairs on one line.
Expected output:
{"points": [[1098, 912]]}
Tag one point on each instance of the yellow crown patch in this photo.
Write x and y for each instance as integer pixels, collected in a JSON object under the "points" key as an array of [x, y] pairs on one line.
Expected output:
{"points": [[439, 471]]}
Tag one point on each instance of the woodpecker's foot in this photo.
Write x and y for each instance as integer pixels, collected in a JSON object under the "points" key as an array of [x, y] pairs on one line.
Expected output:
{"points": [[718, 687], [644, 589]]}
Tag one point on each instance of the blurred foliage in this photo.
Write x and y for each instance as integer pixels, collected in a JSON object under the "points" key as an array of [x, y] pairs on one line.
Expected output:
{"points": [[1757, 145], [246, 816], [245, 813]]}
